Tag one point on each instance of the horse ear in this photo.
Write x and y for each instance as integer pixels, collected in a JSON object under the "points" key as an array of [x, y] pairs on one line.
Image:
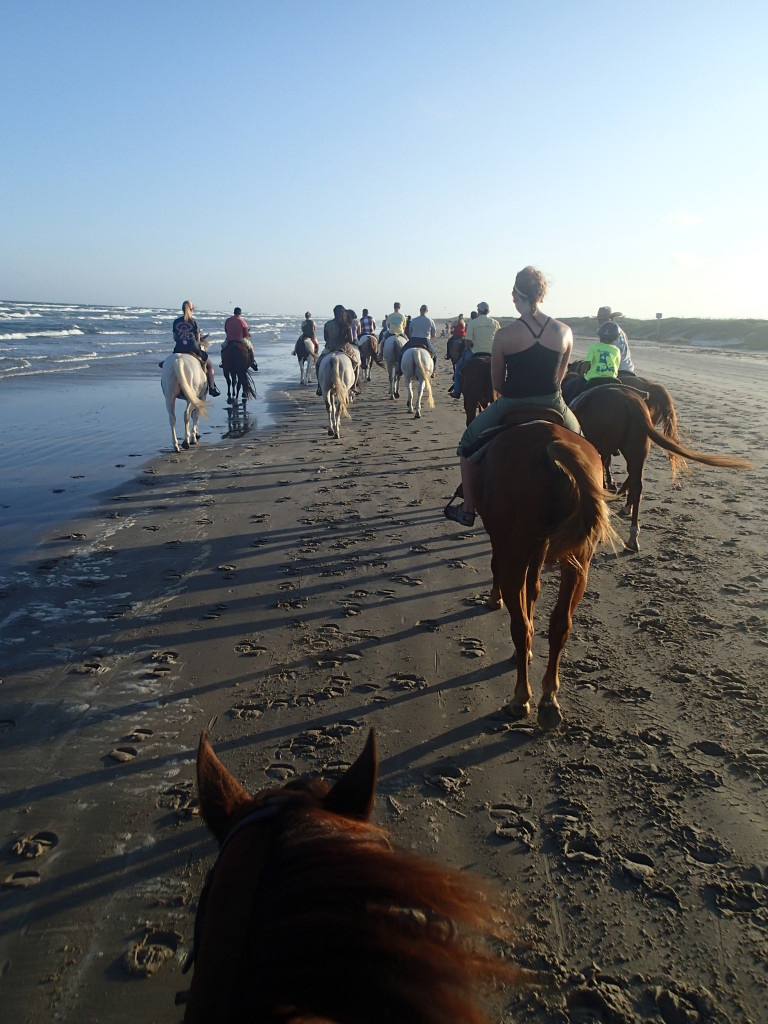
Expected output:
{"points": [[219, 792], [352, 795]]}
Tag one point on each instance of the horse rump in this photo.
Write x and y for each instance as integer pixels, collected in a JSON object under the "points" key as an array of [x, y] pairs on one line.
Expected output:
{"points": [[583, 518]]}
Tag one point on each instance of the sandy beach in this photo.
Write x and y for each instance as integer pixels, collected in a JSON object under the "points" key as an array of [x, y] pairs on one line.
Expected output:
{"points": [[286, 591]]}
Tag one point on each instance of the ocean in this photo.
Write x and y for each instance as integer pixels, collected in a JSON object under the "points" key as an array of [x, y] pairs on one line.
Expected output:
{"points": [[81, 407]]}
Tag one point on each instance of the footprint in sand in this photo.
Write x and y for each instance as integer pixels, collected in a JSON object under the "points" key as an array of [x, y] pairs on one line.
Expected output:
{"points": [[215, 612], [140, 734], [408, 581], [471, 647], [510, 824], [181, 799], [148, 955], [23, 879], [88, 668], [250, 648], [34, 846], [280, 770], [248, 710], [123, 754], [407, 681], [450, 779]]}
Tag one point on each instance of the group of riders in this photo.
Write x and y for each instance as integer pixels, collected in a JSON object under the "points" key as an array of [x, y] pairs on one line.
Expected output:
{"points": [[345, 333], [187, 339], [529, 359]]}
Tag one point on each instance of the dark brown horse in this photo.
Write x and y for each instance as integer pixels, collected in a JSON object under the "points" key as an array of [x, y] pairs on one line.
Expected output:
{"points": [[616, 419], [541, 501], [476, 387], [311, 915], [236, 361]]}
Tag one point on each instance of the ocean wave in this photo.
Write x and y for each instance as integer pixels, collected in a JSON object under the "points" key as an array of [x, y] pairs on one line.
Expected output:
{"points": [[42, 334]]}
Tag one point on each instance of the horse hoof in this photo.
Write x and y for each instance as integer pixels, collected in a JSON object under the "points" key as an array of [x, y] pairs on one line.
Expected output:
{"points": [[185, 445], [632, 546], [331, 433], [517, 711], [550, 716], [229, 401], [417, 416], [625, 512], [494, 602]]}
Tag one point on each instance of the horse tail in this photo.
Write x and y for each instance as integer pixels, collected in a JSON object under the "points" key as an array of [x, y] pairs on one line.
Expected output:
{"points": [[197, 403], [678, 453], [342, 392], [425, 376], [587, 521], [663, 412]]}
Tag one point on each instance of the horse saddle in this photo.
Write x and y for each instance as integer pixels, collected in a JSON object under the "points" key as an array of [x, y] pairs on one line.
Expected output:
{"points": [[581, 399], [515, 417]]}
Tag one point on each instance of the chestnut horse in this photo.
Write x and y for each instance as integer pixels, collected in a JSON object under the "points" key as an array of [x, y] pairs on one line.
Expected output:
{"points": [[235, 361], [476, 387], [542, 502], [659, 401], [310, 914], [616, 419]]}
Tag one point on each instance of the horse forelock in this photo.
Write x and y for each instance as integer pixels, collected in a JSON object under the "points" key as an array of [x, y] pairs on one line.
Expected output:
{"points": [[339, 919]]}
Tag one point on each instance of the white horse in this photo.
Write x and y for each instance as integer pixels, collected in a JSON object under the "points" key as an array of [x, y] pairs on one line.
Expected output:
{"points": [[184, 378], [307, 356], [391, 350], [418, 365], [336, 378]]}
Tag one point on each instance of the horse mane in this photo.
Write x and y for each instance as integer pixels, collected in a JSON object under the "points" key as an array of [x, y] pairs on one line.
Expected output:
{"points": [[349, 928]]}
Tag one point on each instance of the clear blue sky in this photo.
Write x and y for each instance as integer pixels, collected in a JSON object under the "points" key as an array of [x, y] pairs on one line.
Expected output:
{"points": [[289, 155]]}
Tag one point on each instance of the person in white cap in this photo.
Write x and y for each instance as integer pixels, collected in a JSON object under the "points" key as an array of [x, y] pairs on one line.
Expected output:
{"points": [[479, 340]]}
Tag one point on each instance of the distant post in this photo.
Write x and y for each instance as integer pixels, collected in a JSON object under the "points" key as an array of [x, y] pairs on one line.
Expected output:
{"points": [[658, 323]]}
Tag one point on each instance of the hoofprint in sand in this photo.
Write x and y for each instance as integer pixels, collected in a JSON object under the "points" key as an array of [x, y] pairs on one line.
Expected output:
{"points": [[286, 592]]}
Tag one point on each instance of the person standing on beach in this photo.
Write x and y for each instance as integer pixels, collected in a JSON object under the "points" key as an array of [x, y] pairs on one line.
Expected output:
{"points": [[604, 315], [422, 332], [236, 329], [186, 338], [395, 322], [338, 335], [480, 333], [367, 325]]}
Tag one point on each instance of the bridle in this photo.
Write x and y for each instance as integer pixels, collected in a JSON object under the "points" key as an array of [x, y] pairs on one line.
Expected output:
{"points": [[263, 813]]}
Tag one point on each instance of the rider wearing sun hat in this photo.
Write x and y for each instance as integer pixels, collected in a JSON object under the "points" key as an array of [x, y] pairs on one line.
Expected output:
{"points": [[607, 315]]}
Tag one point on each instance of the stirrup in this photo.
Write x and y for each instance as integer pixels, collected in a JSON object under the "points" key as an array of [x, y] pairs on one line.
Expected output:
{"points": [[458, 514]]}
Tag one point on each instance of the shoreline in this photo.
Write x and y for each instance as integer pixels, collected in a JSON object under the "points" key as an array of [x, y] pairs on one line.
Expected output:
{"points": [[286, 591]]}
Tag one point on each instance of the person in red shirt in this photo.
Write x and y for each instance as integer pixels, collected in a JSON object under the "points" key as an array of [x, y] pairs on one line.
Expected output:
{"points": [[236, 329]]}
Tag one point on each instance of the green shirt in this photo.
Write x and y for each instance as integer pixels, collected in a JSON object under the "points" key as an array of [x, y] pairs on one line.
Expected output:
{"points": [[604, 361]]}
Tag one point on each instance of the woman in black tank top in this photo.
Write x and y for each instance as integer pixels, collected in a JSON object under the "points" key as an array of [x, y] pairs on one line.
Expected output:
{"points": [[528, 362]]}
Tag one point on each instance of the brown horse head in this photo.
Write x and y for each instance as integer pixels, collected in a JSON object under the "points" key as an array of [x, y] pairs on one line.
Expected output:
{"points": [[311, 914]]}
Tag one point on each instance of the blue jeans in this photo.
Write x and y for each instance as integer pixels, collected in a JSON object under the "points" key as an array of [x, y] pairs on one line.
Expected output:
{"points": [[465, 356]]}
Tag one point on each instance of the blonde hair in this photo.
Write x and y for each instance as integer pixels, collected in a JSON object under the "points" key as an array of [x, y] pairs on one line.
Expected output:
{"points": [[187, 308], [530, 284]]}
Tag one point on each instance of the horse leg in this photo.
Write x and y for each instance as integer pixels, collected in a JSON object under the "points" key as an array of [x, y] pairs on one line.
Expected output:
{"points": [[187, 415], [171, 405], [573, 583], [635, 466], [608, 481], [512, 574]]}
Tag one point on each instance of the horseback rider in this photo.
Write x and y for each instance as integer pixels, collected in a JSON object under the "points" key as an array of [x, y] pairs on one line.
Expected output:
{"points": [[479, 334], [339, 335], [186, 337], [529, 359], [422, 331], [308, 333], [604, 359], [606, 315], [236, 329]]}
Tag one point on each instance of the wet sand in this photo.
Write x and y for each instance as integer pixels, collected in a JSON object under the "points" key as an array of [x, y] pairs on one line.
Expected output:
{"points": [[288, 591]]}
